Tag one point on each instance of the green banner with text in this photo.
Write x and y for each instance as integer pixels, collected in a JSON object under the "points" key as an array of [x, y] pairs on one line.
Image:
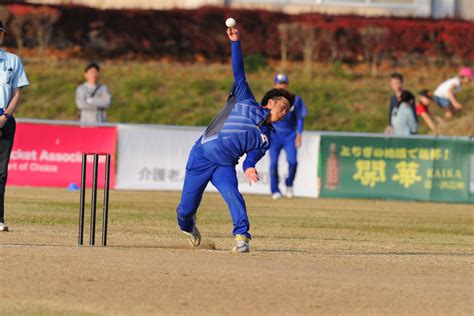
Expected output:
{"points": [[397, 168]]}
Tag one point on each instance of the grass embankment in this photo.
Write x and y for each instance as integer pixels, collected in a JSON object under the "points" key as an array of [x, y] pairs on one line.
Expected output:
{"points": [[339, 98]]}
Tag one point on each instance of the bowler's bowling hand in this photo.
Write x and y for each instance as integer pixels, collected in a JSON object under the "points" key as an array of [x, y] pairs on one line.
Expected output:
{"points": [[233, 34], [252, 175], [298, 140]]}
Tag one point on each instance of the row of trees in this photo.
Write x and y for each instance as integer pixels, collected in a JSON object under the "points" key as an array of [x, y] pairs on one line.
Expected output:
{"points": [[351, 39], [191, 34], [28, 23], [330, 44]]}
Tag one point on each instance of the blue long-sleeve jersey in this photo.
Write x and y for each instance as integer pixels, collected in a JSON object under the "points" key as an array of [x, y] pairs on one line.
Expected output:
{"points": [[294, 120], [239, 128]]}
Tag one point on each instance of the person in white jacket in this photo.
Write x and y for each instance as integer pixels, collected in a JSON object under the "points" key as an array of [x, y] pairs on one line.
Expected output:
{"points": [[403, 120], [92, 97]]}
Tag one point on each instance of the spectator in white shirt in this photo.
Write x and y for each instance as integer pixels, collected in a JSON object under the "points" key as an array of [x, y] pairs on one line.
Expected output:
{"points": [[445, 94]]}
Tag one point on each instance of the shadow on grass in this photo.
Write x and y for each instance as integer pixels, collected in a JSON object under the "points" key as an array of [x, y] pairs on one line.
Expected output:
{"points": [[212, 248]]}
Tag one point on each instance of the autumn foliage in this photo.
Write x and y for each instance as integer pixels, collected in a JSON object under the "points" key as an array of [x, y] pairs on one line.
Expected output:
{"points": [[191, 34]]}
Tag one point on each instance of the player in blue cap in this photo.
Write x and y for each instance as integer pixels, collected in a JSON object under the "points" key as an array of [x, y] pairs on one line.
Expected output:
{"points": [[242, 127], [288, 137]]}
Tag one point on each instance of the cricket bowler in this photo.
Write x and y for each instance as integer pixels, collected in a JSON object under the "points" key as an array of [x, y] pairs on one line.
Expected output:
{"points": [[243, 127]]}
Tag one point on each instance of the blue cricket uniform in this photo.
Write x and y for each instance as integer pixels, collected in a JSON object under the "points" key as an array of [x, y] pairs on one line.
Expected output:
{"points": [[237, 130], [286, 131]]}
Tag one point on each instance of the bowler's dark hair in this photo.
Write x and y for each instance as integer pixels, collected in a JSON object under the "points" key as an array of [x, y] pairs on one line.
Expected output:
{"points": [[92, 65], [397, 75], [277, 94]]}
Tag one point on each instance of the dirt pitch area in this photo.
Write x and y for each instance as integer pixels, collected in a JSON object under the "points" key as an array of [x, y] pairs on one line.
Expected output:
{"points": [[319, 257]]}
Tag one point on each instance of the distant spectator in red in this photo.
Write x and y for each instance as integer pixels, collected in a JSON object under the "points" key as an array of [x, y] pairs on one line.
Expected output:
{"points": [[445, 94], [425, 99]]}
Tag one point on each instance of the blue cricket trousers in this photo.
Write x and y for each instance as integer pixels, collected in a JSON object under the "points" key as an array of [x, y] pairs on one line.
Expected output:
{"points": [[287, 143], [199, 171]]}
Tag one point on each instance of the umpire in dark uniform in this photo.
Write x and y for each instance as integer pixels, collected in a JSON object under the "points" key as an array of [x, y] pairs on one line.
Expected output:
{"points": [[12, 79]]}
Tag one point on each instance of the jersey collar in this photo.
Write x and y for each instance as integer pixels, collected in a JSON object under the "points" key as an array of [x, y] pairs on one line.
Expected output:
{"points": [[261, 115], [262, 120]]}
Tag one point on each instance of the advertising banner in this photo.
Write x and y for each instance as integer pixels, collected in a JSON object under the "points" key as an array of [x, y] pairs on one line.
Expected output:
{"points": [[397, 168], [154, 157], [49, 155]]}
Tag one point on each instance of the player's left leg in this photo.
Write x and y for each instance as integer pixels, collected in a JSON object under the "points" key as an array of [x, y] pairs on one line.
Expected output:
{"points": [[225, 180], [6, 145], [291, 156], [198, 173]]}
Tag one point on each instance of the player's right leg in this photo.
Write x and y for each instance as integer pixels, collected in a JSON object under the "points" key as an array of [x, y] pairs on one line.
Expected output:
{"points": [[198, 174], [291, 157], [225, 180], [274, 152]]}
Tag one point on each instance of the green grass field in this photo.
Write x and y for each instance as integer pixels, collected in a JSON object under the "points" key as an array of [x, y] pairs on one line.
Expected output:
{"points": [[309, 256], [340, 98]]}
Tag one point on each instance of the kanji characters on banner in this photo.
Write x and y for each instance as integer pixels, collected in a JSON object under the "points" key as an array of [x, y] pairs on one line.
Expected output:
{"points": [[398, 168]]}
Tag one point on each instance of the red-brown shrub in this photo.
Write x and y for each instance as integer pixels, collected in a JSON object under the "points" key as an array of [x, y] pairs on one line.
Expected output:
{"points": [[185, 34]]}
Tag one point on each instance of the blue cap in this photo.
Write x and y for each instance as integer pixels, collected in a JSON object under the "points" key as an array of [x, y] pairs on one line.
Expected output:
{"points": [[280, 78]]}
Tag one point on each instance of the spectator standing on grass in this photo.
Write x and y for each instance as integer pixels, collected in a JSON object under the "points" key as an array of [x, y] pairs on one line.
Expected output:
{"points": [[425, 98], [396, 82], [12, 79], [92, 98], [403, 120], [288, 137], [445, 94]]}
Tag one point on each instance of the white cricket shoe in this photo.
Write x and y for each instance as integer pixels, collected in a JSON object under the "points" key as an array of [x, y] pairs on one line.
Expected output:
{"points": [[276, 196], [194, 238], [242, 244], [3, 227], [289, 192]]}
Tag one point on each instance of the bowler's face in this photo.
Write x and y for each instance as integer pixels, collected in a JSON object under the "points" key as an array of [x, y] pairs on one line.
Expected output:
{"points": [[278, 109]]}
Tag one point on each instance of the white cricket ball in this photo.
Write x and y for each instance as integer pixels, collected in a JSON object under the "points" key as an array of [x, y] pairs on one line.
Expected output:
{"points": [[230, 22]]}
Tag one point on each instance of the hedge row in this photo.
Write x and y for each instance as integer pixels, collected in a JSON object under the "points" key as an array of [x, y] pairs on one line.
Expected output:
{"points": [[187, 34]]}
